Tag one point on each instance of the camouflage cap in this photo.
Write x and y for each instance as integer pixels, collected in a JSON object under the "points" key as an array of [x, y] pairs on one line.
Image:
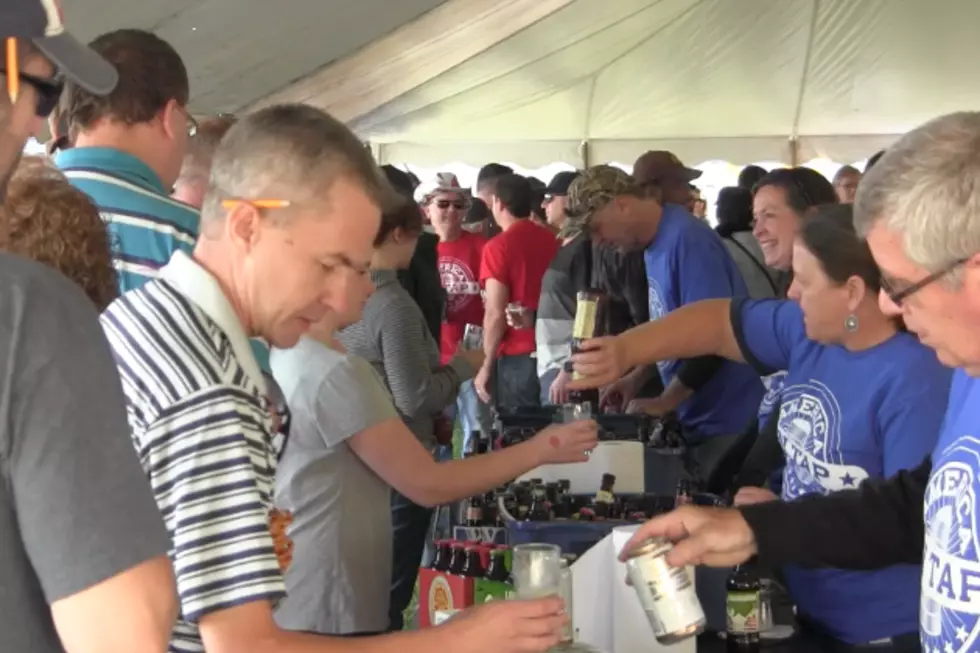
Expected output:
{"points": [[591, 191]]}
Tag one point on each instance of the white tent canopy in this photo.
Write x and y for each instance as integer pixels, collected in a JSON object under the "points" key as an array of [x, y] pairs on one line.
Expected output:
{"points": [[537, 81]]}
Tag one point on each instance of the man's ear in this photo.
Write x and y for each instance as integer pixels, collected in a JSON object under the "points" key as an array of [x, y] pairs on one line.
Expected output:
{"points": [[243, 226]]}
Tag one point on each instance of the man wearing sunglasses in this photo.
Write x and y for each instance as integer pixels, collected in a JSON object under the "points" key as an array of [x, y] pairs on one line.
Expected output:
{"points": [[920, 211], [445, 204], [82, 546]]}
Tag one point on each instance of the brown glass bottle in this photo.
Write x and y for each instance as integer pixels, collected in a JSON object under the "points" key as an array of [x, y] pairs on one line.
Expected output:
{"points": [[473, 565], [605, 500], [744, 607], [588, 324], [497, 569], [458, 559], [443, 555]]}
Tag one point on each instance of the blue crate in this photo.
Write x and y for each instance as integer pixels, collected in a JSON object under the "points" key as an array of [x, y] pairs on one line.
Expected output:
{"points": [[572, 536]]}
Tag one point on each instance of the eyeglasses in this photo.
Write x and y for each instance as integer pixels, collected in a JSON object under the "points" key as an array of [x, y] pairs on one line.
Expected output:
{"points": [[445, 204], [899, 296], [191, 122]]}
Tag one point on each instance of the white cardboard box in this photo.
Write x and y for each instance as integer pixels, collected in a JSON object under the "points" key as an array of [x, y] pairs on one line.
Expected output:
{"points": [[607, 614], [624, 459]]}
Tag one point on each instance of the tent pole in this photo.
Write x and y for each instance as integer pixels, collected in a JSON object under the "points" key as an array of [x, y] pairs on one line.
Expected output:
{"points": [[584, 154]]}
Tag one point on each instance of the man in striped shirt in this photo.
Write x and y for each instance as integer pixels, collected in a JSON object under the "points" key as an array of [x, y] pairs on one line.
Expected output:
{"points": [[128, 151], [289, 222]]}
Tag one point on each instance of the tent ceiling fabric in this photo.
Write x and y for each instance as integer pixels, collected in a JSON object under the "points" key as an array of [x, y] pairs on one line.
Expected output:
{"points": [[528, 81], [237, 51], [708, 79]]}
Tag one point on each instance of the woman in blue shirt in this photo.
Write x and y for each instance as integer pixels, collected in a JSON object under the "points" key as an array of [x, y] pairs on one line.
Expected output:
{"points": [[862, 398]]}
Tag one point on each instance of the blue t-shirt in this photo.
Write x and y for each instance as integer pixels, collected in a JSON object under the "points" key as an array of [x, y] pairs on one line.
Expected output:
{"points": [[847, 416], [685, 263], [950, 610]]}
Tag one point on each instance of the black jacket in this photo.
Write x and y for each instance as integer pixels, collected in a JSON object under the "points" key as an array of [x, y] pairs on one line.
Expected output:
{"points": [[423, 283]]}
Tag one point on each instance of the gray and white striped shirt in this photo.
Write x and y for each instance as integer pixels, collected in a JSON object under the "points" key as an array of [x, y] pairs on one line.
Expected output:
{"points": [[202, 428], [393, 337]]}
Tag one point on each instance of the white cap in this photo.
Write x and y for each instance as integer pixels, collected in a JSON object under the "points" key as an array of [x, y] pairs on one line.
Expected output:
{"points": [[443, 182]]}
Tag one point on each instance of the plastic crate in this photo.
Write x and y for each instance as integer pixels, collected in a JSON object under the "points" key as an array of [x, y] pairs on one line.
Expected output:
{"points": [[572, 536]]}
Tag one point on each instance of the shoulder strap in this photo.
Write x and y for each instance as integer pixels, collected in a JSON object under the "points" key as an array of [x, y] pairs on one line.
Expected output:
{"points": [[758, 264]]}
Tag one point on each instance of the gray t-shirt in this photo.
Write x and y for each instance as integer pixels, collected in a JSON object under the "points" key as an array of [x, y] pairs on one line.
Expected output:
{"points": [[340, 578], [75, 507]]}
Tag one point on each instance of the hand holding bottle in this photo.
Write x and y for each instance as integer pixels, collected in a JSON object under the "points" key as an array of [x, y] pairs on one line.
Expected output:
{"points": [[599, 362]]}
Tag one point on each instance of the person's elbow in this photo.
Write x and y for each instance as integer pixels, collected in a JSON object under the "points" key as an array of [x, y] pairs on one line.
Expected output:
{"points": [[131, 612], [424, 488]]}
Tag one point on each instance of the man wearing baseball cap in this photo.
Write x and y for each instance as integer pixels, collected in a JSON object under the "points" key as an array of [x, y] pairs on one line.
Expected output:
{"points": [[556, 198], [82, 544], [662, 171], [685, 262]]}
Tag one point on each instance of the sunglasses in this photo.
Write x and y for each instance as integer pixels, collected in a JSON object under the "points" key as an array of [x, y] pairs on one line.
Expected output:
{"points": [[899, 296], [445, 204], [48, 91]]}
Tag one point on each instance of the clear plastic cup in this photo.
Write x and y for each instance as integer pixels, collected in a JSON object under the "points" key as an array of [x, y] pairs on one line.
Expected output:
{"points": [[536, 569]]}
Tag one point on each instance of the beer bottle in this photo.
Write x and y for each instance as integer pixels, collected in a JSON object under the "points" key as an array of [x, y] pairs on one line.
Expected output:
{"points": [[522, 492], [474, 511], [490, 513], [587, 325], [497, 569], [604, 498], [539, 510], [473, 565], [562, 508], [442, 557], [683, 496], [458, 559], [743, 606]]}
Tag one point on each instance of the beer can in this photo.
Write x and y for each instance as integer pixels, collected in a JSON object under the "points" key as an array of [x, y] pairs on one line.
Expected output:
{"points": [[473, 337], [666, 593]]}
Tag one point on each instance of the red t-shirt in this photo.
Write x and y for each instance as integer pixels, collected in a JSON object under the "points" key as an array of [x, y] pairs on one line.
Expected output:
{"points": [[459, 267], [518, 259]]}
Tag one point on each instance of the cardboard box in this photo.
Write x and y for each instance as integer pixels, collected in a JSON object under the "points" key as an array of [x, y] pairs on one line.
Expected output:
{"points": [[439, 592], [490, 590]]}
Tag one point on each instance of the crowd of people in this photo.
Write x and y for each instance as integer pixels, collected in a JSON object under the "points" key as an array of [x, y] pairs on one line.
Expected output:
{"points": [[234, 351]]}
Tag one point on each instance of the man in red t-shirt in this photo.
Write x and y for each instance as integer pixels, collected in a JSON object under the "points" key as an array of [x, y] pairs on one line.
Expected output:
{"points": [[514, 263], [460, 251]]}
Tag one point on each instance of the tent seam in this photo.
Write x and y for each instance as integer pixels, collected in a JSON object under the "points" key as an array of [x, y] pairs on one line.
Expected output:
{"points": [[807, 55]]}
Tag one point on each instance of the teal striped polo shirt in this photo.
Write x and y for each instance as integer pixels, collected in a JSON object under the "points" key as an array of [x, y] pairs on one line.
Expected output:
{"points": [[145, 224]]}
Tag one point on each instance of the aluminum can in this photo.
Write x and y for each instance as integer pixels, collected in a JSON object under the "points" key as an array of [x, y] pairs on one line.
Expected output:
{"points": [[666, 593]]}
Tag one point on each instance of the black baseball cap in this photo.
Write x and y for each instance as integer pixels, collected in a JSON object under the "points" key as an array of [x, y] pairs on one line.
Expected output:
{"points": [[41, 22], [559, 183]]}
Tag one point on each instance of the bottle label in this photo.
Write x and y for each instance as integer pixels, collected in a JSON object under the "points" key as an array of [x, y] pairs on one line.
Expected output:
{"points": [[743, 612], [474, 514], [666, 594]]}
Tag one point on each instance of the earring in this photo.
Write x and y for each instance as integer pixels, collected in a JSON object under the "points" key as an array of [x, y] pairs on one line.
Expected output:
{"points": [[851, 323]]}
